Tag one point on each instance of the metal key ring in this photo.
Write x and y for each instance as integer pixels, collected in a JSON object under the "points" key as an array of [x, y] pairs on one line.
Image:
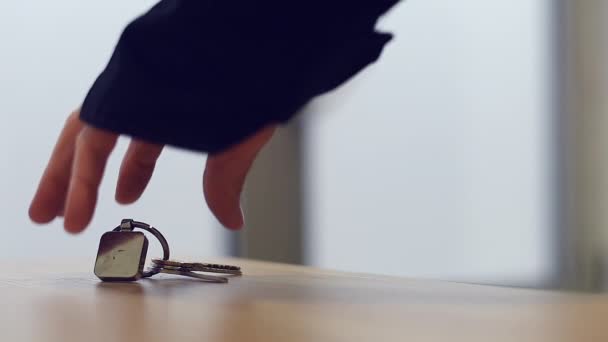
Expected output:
{"points": [[128, 225]]}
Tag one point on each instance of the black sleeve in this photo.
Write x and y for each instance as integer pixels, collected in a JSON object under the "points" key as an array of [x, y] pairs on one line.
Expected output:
{"points": [[204, 74]]}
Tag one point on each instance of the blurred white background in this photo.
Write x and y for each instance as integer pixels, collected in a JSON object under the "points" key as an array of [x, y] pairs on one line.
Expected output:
{"points": [[435, 162]]}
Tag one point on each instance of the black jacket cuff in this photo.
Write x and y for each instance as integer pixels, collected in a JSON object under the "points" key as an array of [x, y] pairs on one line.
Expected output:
{"points": [[203, 75]]}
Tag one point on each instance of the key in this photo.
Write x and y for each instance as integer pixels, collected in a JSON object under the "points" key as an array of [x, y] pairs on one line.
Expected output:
{"points": [[122, 256], [187, 273], [199, 266]]}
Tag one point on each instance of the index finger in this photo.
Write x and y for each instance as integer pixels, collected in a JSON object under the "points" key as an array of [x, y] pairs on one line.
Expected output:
{"points": [[93, 147]]}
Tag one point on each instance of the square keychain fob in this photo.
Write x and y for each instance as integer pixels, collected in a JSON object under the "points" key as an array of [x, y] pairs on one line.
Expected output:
{"points": [[121, 256], [122, 252]]}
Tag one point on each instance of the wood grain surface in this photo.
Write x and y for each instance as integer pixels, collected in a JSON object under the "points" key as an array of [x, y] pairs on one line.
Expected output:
{"points": [[63, 301]]}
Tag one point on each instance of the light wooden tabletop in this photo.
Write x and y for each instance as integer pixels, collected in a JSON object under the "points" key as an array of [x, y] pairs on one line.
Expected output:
{"points": [[59, 301]]}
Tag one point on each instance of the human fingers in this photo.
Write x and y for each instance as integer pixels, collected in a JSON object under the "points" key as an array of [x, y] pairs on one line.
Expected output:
{"points": [[136, 170], [49, 199], [93, 147], [225, 175]]}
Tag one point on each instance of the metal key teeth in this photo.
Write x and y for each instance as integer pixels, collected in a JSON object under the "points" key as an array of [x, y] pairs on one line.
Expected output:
{"points": [[177, 266], [195, 265], [222, 267]]}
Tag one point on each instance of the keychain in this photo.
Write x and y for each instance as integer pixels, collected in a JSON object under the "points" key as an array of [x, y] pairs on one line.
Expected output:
{"points": [[122, 256]]}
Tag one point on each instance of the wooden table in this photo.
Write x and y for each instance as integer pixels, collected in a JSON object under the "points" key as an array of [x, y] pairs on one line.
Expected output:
{"points": [[273, 302]]}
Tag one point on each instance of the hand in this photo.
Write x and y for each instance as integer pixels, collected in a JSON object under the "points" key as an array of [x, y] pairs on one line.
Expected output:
{"points": [[72, 177]]}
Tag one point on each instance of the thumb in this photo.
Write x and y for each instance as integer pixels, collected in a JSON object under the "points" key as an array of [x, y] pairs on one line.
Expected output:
{"points": [[225, 175]]}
